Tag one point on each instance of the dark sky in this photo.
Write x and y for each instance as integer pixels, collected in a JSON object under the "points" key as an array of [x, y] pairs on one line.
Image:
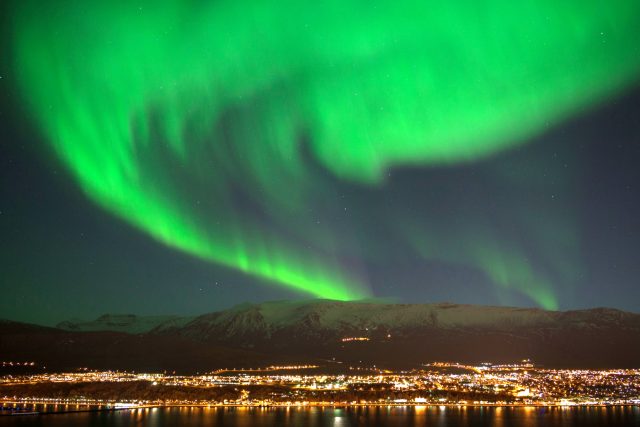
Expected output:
{"points": [[552, 222]]}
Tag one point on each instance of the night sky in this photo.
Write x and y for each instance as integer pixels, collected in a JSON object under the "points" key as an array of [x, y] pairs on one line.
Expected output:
{"points": [[179, 158]]}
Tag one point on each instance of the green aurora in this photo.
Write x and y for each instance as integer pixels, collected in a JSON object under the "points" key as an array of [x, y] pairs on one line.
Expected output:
{"points": [[196, 122]]}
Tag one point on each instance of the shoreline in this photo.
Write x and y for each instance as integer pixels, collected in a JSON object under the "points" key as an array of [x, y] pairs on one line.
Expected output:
{"points": [[322, 405]]}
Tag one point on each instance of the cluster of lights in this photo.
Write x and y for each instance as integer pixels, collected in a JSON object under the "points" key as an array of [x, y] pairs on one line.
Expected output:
{"points": [[512, 384], [267, 369], [11, 363], [348, 339]]}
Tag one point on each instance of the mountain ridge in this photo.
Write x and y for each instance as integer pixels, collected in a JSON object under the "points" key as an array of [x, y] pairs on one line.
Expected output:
{"points": [[275, 314], [360, 332]]}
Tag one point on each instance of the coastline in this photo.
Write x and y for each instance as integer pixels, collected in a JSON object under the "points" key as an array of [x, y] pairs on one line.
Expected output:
{"points": [[323, 405]]}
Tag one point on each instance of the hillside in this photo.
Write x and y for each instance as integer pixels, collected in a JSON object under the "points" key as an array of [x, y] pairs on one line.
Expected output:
{"points": [[344, 333], [409, 334]]}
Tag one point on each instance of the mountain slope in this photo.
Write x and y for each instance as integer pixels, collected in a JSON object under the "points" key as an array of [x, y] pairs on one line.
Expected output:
{"points": [[348, 333], [406, 334]]}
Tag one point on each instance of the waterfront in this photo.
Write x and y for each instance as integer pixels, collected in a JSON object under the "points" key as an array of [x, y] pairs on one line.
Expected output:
{"points": [[433, 415]]}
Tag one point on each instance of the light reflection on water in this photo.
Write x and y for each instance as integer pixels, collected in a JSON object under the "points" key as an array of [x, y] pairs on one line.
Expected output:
{"points": [[342, 417]]}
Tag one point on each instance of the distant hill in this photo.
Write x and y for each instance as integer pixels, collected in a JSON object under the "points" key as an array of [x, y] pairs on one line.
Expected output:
{"points": [[58, 350], [323, 331], [128, 323]]}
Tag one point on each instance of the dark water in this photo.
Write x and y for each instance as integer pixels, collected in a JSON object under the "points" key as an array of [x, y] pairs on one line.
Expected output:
{"points": [[340, 417]]}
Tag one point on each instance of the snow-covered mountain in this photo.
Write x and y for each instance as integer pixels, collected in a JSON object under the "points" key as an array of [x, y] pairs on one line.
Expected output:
{"points": [[366, 317], [399, 334], [127, 323], [414, 333]]}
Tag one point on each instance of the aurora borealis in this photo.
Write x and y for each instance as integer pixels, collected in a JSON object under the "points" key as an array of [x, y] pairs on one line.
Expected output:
{"points": [[267, 138]]}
